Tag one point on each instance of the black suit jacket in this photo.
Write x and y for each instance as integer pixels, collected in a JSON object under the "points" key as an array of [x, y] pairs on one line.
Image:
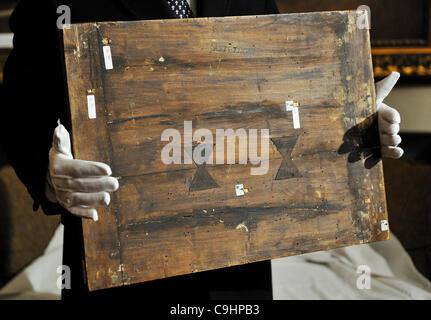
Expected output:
{"points": [[35, 97]]}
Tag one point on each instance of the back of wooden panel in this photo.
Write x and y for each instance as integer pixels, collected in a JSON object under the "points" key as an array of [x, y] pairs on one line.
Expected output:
{"points": [[235, 140]]}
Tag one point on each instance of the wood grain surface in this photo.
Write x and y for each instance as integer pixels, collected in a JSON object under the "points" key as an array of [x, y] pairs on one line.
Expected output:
{"points": [[324, 187]]}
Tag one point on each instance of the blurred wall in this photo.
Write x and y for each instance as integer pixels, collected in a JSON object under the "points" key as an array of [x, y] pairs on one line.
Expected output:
{"points": [[414, 104]]}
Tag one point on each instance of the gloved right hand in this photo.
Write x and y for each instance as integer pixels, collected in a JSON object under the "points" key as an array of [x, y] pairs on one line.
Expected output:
{"points": [[389, 119], [77, 185]]}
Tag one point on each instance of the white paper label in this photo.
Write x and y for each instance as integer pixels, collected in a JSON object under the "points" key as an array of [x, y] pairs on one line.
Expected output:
{"points": [[295, 113], [108, 57], [290, 106], [91, 104], [239, 189], [384, 225]]}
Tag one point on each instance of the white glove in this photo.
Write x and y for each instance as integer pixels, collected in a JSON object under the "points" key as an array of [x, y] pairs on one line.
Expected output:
{"points": [[389, 119], [77, 185]]}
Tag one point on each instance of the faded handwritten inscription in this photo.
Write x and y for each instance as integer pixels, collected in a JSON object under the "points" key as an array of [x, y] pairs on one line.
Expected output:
{"points": [[229, 48]]}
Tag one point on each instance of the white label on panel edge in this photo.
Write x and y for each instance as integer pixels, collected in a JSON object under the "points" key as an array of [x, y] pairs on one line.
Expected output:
{"points": [[91, 104], [108, 57]]}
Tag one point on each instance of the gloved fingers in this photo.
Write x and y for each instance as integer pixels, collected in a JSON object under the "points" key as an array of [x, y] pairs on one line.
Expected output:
{"points": [[78, 168], [392, 152], [61, 141], [84, 212], [390, 140], [389, 114], [72, 199], [388, 128], [384, 87], [95, 184]]}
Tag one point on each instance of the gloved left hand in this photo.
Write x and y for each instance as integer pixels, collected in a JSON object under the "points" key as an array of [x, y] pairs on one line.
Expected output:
{"points": [[77, 185]]}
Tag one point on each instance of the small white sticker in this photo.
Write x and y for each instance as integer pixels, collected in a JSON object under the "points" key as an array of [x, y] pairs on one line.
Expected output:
{"points": [[91, 104], [108, 57], [295, 114], [292, 106], [384, 225], [239, 189], [289, 105]]}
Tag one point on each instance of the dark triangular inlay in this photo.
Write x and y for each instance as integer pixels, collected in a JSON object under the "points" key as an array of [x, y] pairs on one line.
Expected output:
{"points": [[287, 168], [202, 180]]}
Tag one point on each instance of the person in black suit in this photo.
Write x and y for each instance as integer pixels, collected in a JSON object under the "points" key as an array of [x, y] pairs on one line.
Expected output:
{"points": [[35, 93]]}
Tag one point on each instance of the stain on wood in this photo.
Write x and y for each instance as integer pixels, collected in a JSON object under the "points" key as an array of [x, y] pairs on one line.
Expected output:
{"points": [[225, 73]]}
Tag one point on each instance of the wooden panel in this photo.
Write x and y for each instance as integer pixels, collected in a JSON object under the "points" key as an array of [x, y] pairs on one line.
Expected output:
{"points": [[233, 72]]}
